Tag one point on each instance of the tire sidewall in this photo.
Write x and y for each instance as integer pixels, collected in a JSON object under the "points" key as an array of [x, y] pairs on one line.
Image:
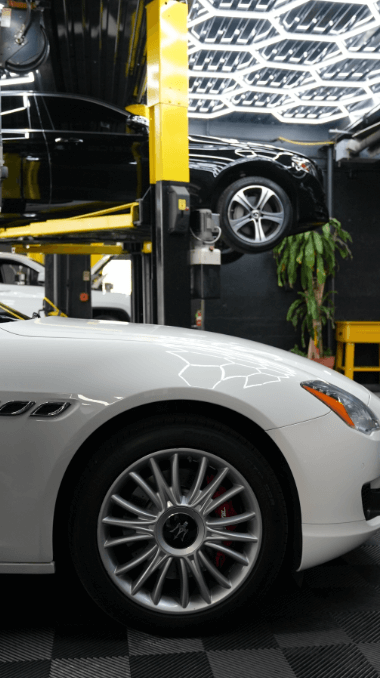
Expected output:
{"points": [[228, 234], [227, 254], [130, 446]]}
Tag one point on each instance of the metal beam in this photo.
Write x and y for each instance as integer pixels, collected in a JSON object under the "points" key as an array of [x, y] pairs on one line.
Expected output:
{"points": [[330, 207], [167, 100], [59, 227], [167, 90], [68, 248]]}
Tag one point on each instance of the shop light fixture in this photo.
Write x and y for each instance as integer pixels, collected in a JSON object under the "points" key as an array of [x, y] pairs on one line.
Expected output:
{"points": [[303, 61]]}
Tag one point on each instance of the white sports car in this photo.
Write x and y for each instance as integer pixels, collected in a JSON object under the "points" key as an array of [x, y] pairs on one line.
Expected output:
{"points": [[178, 469]]}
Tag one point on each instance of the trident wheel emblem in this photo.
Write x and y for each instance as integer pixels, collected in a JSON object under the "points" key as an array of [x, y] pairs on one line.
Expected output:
{"points": [[181, 530]]}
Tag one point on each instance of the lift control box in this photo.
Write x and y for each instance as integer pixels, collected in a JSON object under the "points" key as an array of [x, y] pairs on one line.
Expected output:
{"points": [[179, 209]]}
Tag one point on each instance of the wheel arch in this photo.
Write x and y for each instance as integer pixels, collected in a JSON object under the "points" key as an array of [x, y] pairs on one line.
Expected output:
{"points": [[256, 168], [119, 313], [237, 422]]}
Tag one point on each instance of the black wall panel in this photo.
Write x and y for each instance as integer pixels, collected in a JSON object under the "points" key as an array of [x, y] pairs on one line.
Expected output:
{"points": [[357, 206], [254, 307]]}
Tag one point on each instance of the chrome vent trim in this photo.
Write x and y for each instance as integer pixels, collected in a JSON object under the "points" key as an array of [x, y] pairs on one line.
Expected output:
{"points": [[50, 409], [13, 408]]}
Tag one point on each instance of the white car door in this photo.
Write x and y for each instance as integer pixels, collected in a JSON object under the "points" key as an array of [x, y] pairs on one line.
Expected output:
{"points": [[21, 286]]}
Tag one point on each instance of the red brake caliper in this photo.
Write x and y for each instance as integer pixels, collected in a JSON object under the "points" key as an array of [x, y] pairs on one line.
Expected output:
{"points": [[225, 510]]}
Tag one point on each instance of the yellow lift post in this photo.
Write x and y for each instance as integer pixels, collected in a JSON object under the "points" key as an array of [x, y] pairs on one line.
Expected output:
{"points": [[102, 232], [167, 100]]}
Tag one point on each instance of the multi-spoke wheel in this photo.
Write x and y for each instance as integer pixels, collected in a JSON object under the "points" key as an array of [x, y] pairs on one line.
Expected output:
{"points": [[174, 524], [255, 214]]}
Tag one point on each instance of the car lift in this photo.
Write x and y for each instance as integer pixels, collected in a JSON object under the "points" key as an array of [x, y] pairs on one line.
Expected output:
{"points": [[155, 230]]}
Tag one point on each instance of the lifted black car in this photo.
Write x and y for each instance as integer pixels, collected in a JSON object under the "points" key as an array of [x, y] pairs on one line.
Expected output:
{"points": [[68, 154]]}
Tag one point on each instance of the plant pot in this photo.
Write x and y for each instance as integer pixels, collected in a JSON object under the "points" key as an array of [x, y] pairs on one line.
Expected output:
{"points": [[328, 361]]}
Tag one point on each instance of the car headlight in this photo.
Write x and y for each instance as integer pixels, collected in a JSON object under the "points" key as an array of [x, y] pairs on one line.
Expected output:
{"points": [[304, 165], [349, 408]]}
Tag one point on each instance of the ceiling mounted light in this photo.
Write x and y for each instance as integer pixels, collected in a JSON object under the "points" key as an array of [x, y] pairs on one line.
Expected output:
{"points": [[317, 60]]}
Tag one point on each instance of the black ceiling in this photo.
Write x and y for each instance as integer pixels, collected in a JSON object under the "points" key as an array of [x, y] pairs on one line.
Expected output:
{"points": [[92, 51]]}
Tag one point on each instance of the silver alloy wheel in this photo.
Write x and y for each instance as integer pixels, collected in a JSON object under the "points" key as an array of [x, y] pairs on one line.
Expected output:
{"points": [[166, 527], [256, 214]]}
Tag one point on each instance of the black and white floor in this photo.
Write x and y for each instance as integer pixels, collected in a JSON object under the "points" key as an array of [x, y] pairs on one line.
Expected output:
{"points": [[326, 627]]}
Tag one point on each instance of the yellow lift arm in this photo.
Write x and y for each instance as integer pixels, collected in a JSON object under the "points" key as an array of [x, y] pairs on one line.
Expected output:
{"points": [[104, 220], [88, 223]]}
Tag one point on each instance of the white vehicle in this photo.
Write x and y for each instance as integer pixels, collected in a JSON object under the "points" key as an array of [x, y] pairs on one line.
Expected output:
{"points": [[178, 469], [22, 283]]}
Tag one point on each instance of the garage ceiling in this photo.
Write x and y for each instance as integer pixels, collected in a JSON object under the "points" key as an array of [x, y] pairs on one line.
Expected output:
{"points": [[90, 48], [304, 62]]}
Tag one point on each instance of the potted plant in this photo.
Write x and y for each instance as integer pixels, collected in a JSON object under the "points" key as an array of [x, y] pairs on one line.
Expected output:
{"points": [[310, 258]]}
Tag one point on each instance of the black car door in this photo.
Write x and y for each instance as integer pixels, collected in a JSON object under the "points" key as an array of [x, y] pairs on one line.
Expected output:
{"points": [[25, 155], [95, 155]]}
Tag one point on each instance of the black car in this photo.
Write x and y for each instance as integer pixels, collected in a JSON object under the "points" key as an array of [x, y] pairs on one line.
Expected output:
{"points": [[69, 154]]}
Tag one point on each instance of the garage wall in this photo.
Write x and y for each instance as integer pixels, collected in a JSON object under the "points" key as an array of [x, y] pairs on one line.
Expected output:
{"points": [[254, 307], [357, 206]]}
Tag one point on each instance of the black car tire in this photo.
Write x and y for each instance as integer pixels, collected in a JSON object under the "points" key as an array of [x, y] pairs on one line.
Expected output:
{"points": [[112, 316], [94, 510], [260, 229], [105, 316], [227, 254]]}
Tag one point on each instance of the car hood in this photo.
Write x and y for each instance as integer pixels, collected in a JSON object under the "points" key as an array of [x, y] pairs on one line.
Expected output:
{"points": [[180, 339]]}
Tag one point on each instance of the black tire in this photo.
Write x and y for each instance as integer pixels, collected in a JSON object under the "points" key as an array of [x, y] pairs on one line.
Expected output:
{"points": [[105, 316], [227, 254], [261, 229], [111, 316], [131, 446]]}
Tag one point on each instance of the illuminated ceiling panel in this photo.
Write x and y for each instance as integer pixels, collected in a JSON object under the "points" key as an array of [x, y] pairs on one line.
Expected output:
{"points": [[303, 62]]}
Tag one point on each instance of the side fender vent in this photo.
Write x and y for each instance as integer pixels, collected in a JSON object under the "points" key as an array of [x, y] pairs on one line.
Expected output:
{"points": [[52, 409], [15, 407]]}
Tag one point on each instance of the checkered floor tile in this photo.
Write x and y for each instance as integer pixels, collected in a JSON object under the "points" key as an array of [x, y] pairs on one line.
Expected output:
{"points": [[326, 626]]}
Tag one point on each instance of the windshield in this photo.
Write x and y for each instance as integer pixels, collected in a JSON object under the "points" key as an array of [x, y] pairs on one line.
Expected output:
{"points": [[7, 314]]}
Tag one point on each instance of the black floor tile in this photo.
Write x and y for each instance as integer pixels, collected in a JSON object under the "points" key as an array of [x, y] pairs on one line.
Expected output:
{"points": [[90, 641], [324, 625], [28, 669], [360, 626], [182, 665], [336, 661], [247, 636]]}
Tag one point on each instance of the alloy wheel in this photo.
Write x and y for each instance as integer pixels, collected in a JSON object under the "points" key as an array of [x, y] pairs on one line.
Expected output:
{"points": [[256, 214], [179, 530]]}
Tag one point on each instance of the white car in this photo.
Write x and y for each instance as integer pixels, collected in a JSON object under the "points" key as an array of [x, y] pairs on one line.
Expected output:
{"points": [[178, 469], [22, 283]]}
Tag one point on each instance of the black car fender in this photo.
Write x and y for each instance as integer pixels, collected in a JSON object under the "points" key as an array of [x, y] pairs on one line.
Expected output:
{"points": [[270, 169]]}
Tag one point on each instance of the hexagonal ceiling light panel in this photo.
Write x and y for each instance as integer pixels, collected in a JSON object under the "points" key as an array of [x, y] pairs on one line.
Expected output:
{"points": [[301, 61]]}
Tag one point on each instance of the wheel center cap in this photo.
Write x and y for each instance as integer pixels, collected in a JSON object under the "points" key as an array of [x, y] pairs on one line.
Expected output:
{"points": [[180, 531], [255, 213]]}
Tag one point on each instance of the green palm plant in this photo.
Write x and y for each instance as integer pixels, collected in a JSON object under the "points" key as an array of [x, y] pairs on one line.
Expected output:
{"points": [[311, 258]]}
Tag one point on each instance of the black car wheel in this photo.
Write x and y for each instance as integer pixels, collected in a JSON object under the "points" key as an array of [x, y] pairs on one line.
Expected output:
{"points": [[228, 255], [176, 522], [105, 316], [255, 215], [124, 317]]}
